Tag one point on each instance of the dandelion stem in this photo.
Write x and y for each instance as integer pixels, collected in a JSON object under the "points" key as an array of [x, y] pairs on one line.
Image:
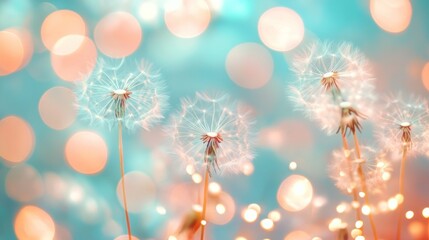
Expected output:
{"points": [[401, 192], [349, 165], [121, 161], [203, 215], [342, 234], [363, 183]]}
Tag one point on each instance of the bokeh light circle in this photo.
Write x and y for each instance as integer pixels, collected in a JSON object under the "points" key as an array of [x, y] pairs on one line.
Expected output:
{"points": [[220, 208], [74, 57], [297, 235], [27, 44], [140, 191], [86, 152], [281, 29], [425, 76], [16, 139], [60, 24], [33, 223], [391, 15], [24, 184], [295, 193], [187, 19], [56, 107], [249, 65], [118, 34], [11, 52]]}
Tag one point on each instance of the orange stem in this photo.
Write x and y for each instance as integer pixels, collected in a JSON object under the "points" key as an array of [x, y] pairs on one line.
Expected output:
{"points": [[203, 214], [401, 191], [363, 183], [349, 165], [124, 196]]}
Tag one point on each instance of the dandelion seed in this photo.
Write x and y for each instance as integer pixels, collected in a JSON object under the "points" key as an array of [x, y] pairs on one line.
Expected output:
{"points": [[118, 91], [327, 75], [403, 123], [211, 132], [114, 95], [375, 164], [403, 128]]}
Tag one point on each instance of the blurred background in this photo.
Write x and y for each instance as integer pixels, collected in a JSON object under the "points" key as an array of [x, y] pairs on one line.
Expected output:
{"points": [[59, 175]]}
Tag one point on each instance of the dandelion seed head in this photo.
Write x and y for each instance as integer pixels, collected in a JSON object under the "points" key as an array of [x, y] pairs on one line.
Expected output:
{"points": [[376, 166], [121, 90], [326, 75], [212, 126], [403, 123]]}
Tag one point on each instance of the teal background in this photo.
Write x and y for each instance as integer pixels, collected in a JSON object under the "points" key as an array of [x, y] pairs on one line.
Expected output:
{"points": [[198, 64]]}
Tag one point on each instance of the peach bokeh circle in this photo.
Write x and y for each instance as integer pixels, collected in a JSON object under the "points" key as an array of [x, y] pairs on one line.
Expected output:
{"points": [[60, 24], [281, 29], [140, 190], [425, 76], [391, 15], [295, 193], [11, 52], [187, 19], [74, 57], [56, 107], [16, 139], [118, 34], [249, 65], [33, 223], [86, 152], [23, 183]]}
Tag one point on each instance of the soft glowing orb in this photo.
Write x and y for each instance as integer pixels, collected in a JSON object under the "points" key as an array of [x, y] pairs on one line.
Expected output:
{"points": [[57, 109], [391, 15], [118, 34], [275, 216], [417, 230], [16, 139], [220, 208], [140, 191], [187, 19], [32, 223], [249, 215], [249, 65], [11, 52], [281, 29], [86, 152], [149, 11], [24, 184], [74, 61], [267, 224], [60, 24], [295, 193], [409, 214]]}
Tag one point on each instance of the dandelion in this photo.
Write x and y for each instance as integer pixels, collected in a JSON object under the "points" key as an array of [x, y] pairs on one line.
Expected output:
{"points": [[115, 94], [334, 88], [212, 133], [402, 127], [327, 75], [402, 124], [376, 166]]}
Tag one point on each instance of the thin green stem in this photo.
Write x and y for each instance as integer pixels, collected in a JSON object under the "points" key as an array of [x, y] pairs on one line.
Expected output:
{"points": [[124, 196]]}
